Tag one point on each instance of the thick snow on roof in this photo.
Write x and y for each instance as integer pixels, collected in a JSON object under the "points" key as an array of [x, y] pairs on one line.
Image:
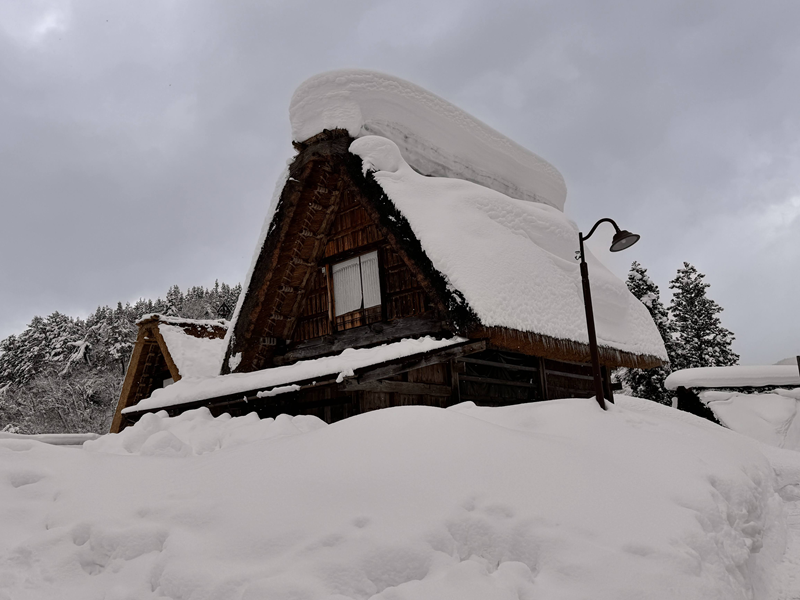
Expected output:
{"points": [[513, 261], [194, 356], [190, 389], [737, 376], [434, 136], [209, 323]]}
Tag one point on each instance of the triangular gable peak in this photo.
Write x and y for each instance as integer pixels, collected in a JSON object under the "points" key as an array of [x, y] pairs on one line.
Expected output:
{"points": [[329, 213], [327, 222], [157, 361]]}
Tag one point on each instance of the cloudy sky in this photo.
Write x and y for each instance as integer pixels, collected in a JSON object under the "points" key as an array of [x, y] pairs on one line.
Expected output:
{"points": [[140, 141]]}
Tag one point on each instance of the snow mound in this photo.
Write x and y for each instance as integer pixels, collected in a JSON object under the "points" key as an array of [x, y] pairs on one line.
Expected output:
{"points": [[434, 136], [556, 499], [197, 432], [735, 376], [770, 418], [513, 261]]}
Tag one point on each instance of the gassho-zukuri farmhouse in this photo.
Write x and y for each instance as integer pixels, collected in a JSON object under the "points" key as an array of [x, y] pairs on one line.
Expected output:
{"points": [[411, 255]]}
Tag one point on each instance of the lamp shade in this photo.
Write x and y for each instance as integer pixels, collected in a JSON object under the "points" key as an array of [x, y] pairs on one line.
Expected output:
{"points": [[623, 239]]}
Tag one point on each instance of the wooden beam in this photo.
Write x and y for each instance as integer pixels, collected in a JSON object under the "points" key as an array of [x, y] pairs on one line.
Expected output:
{"points": [[400, 387], [131, 383], [572, 375], [401, 365], [498, 381], [489, 363], [455, 368], [543, 379], [360, 337]]}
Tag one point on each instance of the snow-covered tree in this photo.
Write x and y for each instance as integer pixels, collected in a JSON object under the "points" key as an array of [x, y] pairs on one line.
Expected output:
{"points": [[649, 383], [64, 374], [700, 338]]}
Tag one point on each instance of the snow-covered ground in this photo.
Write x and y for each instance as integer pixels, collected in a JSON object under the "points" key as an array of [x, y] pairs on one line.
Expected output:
{"points": [[550, 500]]}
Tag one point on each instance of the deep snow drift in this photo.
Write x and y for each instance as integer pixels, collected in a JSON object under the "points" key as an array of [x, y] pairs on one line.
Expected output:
{"points": [[772, 418], [540, 501], [434, 136]]}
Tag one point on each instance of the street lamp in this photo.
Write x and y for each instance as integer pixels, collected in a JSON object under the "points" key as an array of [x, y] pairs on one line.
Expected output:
{"points": [[622, 239]]}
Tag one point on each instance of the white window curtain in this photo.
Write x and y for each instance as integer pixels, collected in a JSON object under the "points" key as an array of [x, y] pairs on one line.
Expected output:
{"points": [[356, 283], [370, 280], [347, 286]]}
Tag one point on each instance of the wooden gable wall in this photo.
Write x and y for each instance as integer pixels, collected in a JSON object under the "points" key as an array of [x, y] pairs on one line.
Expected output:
{"points": [[354, 232], [322, 218], [150, 364]]}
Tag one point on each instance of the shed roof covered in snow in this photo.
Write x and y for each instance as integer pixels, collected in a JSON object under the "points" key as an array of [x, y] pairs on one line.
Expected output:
{"points": [[168, 349], [289, 378], [734, 377]]}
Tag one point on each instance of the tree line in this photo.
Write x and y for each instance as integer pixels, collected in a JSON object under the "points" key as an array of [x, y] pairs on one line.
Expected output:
{"points": [[64, 374], [691, 329]]}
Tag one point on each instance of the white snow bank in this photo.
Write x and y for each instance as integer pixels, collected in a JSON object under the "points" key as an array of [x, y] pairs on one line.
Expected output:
{"points": [[736, 376], [434, 136], [770, 418], [514, 261], [57, 439], [551, 500], [197, 432], [194, 356], [190, 389]]}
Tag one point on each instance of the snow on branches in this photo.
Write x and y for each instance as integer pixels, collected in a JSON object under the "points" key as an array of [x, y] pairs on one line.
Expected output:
{"points": [[691, 329]]}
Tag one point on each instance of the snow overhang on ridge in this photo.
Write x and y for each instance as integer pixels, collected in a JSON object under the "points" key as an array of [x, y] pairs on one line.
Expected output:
{"points": [[435, 137], [513, 261]]}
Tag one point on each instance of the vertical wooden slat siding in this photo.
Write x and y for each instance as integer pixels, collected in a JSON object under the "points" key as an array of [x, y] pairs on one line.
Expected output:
{"points": [[314, 320], [352, 233]]}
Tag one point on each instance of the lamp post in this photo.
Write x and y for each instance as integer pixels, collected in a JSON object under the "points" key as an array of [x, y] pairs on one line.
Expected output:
{"points": [[622, 239]]}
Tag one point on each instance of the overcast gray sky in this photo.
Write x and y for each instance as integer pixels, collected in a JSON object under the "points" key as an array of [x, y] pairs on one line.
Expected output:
{"points": [[140, 141]]}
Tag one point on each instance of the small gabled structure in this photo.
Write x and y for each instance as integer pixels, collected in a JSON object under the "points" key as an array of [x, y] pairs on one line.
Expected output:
{"points": [[166, 350], [368, 248]]}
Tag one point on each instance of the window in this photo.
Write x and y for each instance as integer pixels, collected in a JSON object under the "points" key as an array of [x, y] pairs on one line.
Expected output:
{"points": [[356, 284]]}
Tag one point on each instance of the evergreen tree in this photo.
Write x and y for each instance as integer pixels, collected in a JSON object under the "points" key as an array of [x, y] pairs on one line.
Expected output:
{"points": [[64, 374], [701, 340], [649, 383]]}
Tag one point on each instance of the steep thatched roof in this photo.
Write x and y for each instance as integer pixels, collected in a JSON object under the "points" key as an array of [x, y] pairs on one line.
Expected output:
{"points": [[323, 173]]}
